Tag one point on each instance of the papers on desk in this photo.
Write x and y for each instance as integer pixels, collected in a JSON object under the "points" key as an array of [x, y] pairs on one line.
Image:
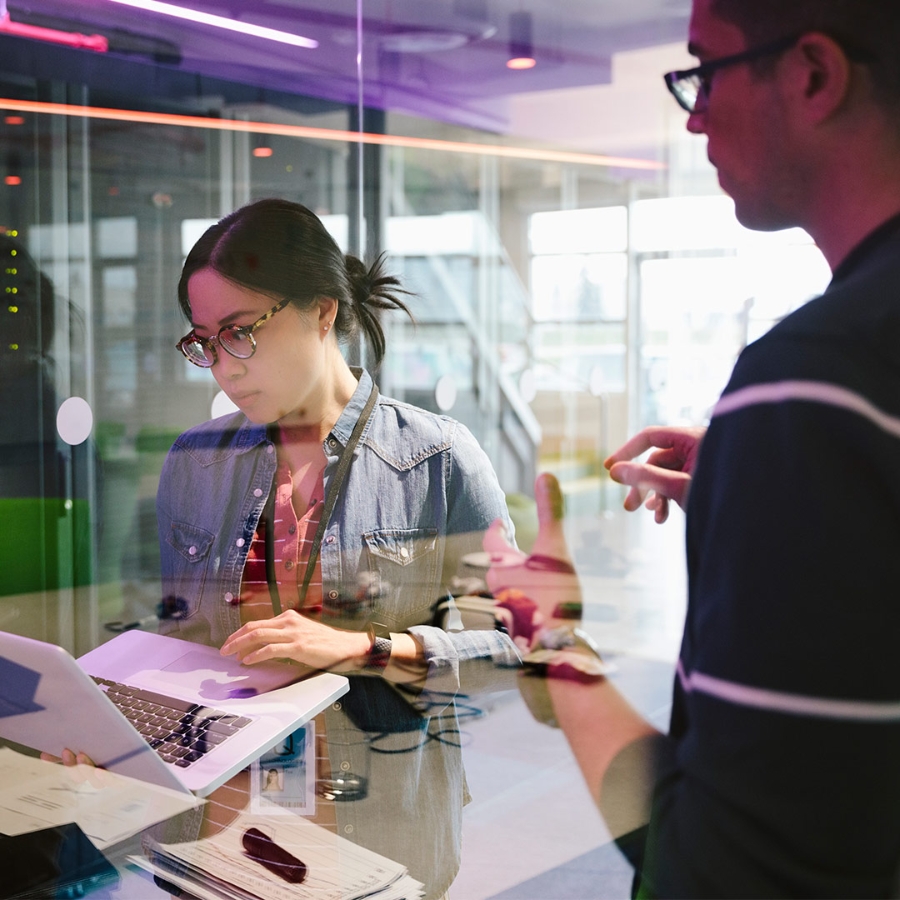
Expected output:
{"points": [[218, 868], [107, 807]]}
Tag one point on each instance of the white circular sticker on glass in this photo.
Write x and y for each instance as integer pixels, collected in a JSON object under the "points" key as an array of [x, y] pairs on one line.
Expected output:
{"points": [[445, 393], [527, 385], [74, 420], [221, 406]]}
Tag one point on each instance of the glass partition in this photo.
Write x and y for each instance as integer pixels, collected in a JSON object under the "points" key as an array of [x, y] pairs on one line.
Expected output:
{"points": [[576, 274]]}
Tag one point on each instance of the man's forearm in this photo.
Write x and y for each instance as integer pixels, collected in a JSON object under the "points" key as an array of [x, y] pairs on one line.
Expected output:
{"points": [[615, 747]]}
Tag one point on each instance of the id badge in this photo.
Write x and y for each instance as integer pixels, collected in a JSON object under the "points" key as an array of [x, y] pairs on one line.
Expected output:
{"points": [[283, 779]]}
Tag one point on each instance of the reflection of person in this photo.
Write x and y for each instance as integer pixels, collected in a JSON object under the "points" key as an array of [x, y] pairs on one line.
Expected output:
{"points": [[28, 399], [779, 775], [269, 295], [39, 472]]}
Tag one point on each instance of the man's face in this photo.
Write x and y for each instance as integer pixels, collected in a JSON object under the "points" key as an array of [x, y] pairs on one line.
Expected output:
{"points": [[745, 124]]}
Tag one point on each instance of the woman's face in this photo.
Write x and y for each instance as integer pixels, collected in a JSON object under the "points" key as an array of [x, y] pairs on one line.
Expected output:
{"points": [[283, 380]]}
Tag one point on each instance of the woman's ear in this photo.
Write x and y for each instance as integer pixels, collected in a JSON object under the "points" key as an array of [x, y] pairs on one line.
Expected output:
{"points": [[328, 309]]}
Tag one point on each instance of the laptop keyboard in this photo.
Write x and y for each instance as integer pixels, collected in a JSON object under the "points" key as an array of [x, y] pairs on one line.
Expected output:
{"points": [[181, 732]]}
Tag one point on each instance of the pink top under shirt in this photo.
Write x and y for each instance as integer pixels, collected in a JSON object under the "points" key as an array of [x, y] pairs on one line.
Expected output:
{"points": [[293, 539]]}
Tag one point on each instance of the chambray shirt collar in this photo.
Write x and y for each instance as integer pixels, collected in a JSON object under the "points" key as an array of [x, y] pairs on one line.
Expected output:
{"points": [[353, 410]]}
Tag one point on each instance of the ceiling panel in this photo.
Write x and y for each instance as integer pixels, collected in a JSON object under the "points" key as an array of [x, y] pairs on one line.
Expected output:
{"points": [[445, 59]]}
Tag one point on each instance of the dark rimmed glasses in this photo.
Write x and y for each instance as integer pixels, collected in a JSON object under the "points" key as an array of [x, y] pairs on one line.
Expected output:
{"points": [[689, 85], [236, 340]]}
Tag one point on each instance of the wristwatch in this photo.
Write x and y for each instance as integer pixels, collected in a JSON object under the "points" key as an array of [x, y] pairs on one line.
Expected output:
{"points": [[380, 654], [566, 653]]}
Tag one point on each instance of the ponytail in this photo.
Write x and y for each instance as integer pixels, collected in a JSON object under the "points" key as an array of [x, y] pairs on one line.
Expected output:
{"points": [[371, 291]]}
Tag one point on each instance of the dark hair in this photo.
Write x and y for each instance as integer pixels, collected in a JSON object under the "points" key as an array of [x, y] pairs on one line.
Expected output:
{"points": [[282, 249], [868, 30]]}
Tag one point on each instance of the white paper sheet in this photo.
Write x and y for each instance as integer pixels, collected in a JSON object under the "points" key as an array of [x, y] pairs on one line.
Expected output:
{"points": [[107, 807], [337, 868]]}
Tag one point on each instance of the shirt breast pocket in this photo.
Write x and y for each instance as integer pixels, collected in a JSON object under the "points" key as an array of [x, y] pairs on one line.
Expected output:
{"points": [[404, 566], [190, 563]]}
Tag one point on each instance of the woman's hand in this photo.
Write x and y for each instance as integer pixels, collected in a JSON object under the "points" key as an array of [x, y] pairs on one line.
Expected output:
{"points": [[69, 758], [88, 775], [301, 639]]}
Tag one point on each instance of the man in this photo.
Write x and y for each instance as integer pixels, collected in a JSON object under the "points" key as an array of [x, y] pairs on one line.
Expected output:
{"points": [[780, 775]]}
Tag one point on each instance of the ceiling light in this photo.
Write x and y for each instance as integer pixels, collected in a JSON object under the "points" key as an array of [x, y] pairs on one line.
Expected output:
{"points": [[261, 148], [521, 62], [521, 51], [423, 41], [193, 15]]}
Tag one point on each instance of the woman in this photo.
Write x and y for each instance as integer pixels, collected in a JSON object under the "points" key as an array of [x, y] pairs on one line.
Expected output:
{"points": [[270, 296]]}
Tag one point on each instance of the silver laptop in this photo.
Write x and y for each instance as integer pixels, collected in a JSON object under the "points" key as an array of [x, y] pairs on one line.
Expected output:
{"points": [[182, 715]]}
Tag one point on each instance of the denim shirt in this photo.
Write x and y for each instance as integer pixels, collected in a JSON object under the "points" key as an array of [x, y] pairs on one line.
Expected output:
{"points": [[418, 495]]}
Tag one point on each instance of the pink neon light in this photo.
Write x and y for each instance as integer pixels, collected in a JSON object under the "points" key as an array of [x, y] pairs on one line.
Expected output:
{"points": [[193, 15], [94, 42]]}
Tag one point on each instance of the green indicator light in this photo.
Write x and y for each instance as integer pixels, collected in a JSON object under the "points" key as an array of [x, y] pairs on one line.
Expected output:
{"points": [[14, 309], [13, 346]]}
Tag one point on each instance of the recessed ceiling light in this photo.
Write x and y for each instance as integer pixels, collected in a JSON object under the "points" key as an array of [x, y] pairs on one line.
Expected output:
{"points": [[423, 41]]}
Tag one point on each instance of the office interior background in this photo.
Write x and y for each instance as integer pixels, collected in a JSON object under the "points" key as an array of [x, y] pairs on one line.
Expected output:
{"points": [[578, 274]]}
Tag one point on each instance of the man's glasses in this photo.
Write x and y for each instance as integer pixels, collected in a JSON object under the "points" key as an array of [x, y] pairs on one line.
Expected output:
{"points": [[236, 340], [689, 85]]}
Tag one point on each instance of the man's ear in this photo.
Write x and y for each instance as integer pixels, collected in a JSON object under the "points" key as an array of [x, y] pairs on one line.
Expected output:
{"points": [[823, 76]]}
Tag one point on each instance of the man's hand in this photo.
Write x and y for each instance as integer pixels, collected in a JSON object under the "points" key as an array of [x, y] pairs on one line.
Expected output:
{"points": [[545, 576], [665, 476], [297, 637]]}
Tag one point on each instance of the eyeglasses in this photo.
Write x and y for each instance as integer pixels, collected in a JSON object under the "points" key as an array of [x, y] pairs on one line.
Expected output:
{"points": [[236, 340], [689, 85]]}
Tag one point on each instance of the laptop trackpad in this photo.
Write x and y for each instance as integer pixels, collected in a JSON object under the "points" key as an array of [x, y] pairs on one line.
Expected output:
{"points": [[224, 678]]}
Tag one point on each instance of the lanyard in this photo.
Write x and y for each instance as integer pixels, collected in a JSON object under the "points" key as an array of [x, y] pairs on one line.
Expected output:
{"points": [[334, 490]]}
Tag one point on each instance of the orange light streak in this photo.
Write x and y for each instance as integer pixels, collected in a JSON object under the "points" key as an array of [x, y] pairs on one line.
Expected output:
{"points": [[330, 134]]}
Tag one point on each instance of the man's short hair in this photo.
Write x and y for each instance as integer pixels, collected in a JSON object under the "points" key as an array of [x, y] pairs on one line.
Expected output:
{"points": [[867, 29]]}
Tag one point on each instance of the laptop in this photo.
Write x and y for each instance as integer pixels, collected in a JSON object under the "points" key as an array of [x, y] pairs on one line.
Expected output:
{"points": [[182, 715]]}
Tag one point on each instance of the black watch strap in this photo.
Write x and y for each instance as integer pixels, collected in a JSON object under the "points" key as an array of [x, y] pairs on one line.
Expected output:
{"points": [[380, 654]]}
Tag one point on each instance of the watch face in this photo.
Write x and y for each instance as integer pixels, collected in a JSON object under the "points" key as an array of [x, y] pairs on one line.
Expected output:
{"points": [[379, 630]]}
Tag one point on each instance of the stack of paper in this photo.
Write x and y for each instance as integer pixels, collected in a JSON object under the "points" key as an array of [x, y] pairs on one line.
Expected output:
{"points": [[107, 807], [220, 868]]}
